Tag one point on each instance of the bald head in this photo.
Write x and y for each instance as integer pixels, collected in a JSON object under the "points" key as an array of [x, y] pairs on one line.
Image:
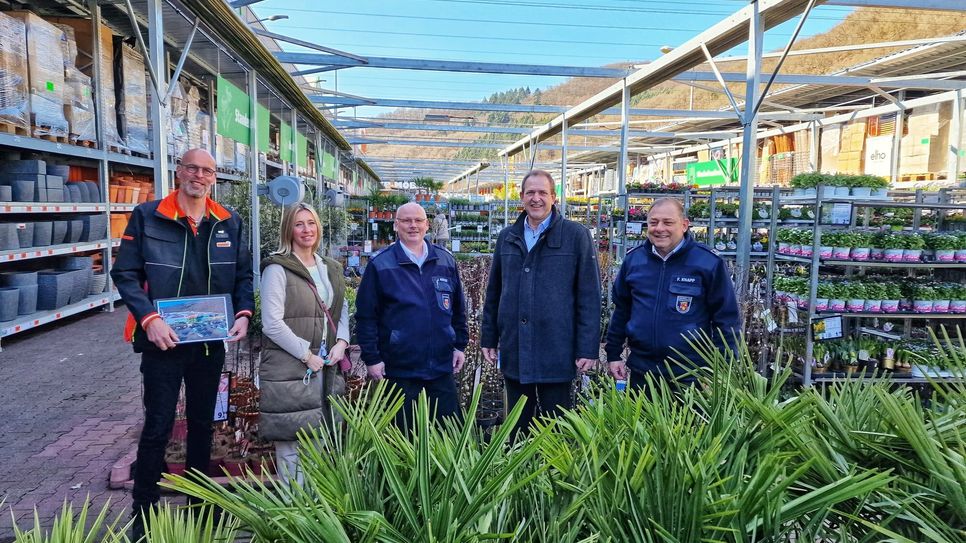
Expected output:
{"points": [[198, 156], [411, 209]]}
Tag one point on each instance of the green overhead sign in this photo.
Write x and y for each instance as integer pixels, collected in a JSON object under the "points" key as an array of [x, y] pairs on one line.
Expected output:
{"points": [[234, 112], [302, 150], [328, 165], [712, 172], [264, 119], [285, 143]]}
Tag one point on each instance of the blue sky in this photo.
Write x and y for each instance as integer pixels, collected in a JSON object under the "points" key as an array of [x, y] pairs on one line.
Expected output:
{"points": [[558, 32]]}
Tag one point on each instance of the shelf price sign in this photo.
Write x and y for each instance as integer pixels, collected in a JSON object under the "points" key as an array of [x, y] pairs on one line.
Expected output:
{"points": [[827, 328]]}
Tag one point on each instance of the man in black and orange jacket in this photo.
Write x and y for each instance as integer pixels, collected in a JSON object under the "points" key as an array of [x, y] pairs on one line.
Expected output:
{"points": [[183, 245]]}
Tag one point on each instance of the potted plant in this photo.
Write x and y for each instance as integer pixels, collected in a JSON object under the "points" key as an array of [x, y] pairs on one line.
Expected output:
{"points": [[827, 244], [841, 245], [785, 236], [945, 292], [957, 303], [804, 184], [824, 292], [874, 294], [805, 239], [174, 457], [877, 251], [855, 300], [894, 247], [914, 245], [960, 246], [861, 246], [837, 295], [890, 297], [943, 246], [922, 299]]}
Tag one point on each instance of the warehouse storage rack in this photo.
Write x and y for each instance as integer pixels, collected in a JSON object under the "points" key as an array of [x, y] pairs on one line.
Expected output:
{"points": [[201, 45]]}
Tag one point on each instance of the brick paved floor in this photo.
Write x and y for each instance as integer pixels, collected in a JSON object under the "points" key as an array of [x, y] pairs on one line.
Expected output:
{"points": [[70, 407]]}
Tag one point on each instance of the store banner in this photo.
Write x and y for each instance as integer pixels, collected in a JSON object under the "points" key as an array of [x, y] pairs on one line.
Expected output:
{"points": [[302, 145], [285, 143], [234, 112], [878, 156], [711, 172], [328, 166], [264, 137]]}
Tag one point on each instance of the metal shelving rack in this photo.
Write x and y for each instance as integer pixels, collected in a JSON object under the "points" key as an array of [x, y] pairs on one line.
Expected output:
{"points": [[816, 263]]}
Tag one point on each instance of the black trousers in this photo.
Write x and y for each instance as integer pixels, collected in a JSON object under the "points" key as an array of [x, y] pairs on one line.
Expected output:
{"points": [[441, 393], [543, 399], [199, 365]]}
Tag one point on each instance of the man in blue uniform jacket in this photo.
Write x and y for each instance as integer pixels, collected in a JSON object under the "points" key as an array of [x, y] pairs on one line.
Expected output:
{"points": [[411, 316], [668, 291]]}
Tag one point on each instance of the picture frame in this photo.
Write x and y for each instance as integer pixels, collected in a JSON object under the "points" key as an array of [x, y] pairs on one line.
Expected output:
{"points": [[197, 318]]}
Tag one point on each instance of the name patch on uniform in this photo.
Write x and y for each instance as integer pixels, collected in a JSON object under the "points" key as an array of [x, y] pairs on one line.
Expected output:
{"points": [[683, 304], [682, 279], [221, 234], [223, 244]]}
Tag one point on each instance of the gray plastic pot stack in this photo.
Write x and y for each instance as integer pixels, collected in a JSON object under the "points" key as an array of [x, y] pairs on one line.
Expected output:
{"points": [[75, 230], [26, 283], [58, 233], [43, 233], [98, 283], [9, 239], [25, 232], [93, 191], [22, 190], [55, 288], [95, 227], [9, 302], [82, 276], [6, 193], [74, 193]]}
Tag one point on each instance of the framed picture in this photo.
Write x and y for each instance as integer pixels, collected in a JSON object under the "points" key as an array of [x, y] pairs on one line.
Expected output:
{"points": [[197, 318]]}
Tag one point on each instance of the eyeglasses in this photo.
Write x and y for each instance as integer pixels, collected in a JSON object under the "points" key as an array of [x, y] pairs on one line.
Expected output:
{"points": [[194, 168], [411, 221]]}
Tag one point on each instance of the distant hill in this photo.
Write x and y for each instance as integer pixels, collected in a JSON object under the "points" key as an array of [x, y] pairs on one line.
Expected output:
{"points": [[865, 25]]}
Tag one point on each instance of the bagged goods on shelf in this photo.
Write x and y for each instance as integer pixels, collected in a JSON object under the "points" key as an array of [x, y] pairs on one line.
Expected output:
{"points": [[14, 103], [177, 130], [132, 110], [45, 67], [78, 101], [924, 148], [83, 31]]}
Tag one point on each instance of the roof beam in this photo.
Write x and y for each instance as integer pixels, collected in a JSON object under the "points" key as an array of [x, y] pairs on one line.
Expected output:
{"points": [[333, 102], [482, 145], [718, 39], [338, 62], [353, 124]]}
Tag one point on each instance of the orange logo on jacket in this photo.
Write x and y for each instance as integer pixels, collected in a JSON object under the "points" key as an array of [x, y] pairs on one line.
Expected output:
{"points": [[223, 244]]}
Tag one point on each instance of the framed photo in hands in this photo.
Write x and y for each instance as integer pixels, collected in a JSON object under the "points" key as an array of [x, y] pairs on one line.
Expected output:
{"points": [[197, 318]]}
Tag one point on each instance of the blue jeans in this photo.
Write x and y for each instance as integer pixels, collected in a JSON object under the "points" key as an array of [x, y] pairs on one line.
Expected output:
{"points": [[199, 365]]}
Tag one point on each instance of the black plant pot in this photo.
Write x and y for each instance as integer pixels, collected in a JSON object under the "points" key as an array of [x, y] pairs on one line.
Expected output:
{"points": [[6, 193], [85, 195], [16, 279], [95, 227], [9, 302], [75, 230], [76, 196], [23, 190], [93, 191], [486, 419]]}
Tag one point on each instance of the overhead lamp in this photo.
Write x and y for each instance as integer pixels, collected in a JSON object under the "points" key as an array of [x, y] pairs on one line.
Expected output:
{"points": [[443, 117], [666, 49], [271, 18]]}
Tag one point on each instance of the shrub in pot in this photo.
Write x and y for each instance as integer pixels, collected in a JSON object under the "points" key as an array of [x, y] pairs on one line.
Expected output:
{"points": [[839, 184], [877, 251], [841, 245], [824, 292], [804, 184], [960, 246], [805, 238], [944, 294]]}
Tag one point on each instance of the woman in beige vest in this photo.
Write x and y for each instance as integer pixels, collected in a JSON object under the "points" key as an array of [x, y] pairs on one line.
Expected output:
{"points": [[300, 292]]}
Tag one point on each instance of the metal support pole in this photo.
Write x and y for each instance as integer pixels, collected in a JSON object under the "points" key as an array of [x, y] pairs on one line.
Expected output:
{"points": [[814, 146], [103, 166], [563, 168], [506, 190], [622, 167], [159, 112], [293, 145], [255, 171], [749, 155], [897, 138], [955, 137]]}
